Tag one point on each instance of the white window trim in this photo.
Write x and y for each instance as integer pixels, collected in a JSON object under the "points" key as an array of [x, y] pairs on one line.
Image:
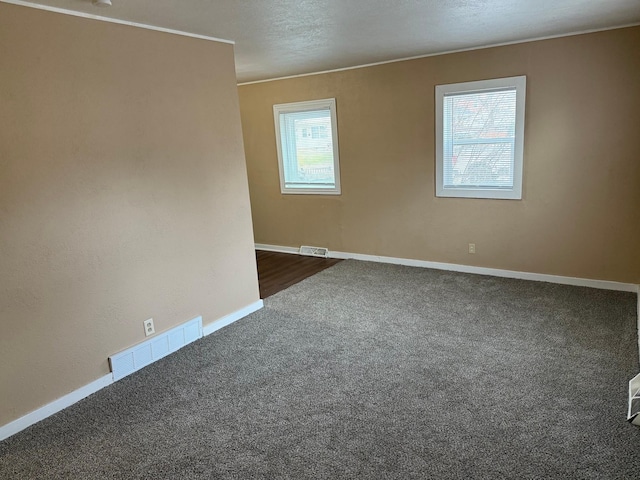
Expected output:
{"points": [[520, 84], [329, 103]]}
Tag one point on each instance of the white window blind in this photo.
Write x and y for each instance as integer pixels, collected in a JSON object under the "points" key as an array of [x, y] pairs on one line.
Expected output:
{"points": [[479, 138], [480, 127]]}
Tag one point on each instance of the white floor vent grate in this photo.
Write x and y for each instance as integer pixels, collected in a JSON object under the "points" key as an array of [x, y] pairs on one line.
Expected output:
{"points": [[145, 353], [633, 416], [314, 251]]}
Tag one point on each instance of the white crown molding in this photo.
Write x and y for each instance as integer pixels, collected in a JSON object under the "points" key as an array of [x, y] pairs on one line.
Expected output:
{"points": [[90, 16], [436, 54]]}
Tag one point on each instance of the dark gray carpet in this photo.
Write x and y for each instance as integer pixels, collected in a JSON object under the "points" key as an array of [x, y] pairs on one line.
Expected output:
{"points": [[370, 371]]}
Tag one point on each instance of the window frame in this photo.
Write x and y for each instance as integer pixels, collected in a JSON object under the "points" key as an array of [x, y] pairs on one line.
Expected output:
{"points": [[488, 192], [308, 106]]}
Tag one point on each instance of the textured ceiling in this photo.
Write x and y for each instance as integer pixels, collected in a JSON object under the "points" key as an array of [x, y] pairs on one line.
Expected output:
{"points": [[277, 38]]}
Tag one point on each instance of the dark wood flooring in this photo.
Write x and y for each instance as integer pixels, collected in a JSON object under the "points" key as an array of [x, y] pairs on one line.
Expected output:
{"points": [[277, 271]]}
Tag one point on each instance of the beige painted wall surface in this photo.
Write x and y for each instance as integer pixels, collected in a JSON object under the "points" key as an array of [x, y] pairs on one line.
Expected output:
{"points": [[580, 213], [123, 196]]}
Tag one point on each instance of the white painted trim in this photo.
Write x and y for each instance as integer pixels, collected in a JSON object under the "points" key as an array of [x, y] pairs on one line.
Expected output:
{"points": [[496, 272], [276, 248], [436, 54], [232, 317], [61, 403], [114, 20], [454, 267], [519, 84], [284, 152], [159, 346]]}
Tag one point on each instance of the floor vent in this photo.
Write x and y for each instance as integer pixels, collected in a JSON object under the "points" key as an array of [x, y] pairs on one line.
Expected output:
{"points": [[634, 401], [314, 251], [145, 353]]}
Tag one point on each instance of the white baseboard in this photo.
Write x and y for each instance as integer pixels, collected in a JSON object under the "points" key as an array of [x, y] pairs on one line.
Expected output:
{"points": [[454, 267], [54, 407], [539, 277], [495, 272], [61, 403], [276, 248], [232, 317]]}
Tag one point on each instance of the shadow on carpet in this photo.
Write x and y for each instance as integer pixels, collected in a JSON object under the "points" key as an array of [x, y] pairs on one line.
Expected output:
{"points": [[370, 371]]}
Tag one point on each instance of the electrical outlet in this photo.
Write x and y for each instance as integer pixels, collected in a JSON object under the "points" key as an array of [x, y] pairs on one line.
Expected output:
{"points": [[149, 329], [472, 248]]}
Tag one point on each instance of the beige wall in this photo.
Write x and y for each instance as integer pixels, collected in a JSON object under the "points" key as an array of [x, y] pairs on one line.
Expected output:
{"points": [[123, 196], [580, 213]]}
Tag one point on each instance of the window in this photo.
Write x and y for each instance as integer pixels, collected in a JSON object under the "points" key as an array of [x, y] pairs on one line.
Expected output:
{"points": [[307, 142], [479, 138]]}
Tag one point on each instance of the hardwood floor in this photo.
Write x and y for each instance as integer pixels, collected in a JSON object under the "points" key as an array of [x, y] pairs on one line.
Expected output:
{"points": [[277, 271]]}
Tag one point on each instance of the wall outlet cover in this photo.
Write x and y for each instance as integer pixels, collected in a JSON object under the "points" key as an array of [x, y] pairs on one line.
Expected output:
{"points": [[149, 329]]}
